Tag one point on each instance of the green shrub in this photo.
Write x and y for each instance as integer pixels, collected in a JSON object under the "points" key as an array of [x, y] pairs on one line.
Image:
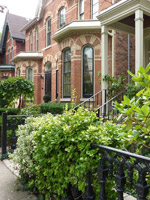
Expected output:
{"points": [[9, 111], [30, 110], [54, 151], [54, 108], [132, 89]]}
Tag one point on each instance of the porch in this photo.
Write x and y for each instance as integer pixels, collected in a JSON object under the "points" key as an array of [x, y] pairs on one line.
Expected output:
{"points": [[132, 17]]}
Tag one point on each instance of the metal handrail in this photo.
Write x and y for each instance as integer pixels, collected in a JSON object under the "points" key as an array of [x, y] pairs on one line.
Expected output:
{"points": [[87, 100]]}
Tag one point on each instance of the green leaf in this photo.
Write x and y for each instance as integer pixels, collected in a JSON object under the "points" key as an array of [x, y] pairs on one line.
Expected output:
{"points": [[129, 125]]}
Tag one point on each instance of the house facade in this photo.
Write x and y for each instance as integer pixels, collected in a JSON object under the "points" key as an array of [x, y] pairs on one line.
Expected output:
{"points": [[63, 50], [12, 42]]}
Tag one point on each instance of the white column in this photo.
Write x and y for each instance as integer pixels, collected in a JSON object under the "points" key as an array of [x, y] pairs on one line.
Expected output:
{"points": [[104, 67], [138, 39]]}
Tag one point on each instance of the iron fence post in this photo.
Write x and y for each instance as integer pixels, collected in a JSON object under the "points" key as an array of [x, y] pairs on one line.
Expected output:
{"points": [[4, 133]]}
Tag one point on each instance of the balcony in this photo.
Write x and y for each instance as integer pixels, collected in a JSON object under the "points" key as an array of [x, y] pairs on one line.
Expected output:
{"points": [[76, 26]]}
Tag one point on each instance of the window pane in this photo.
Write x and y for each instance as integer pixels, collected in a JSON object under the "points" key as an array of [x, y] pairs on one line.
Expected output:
{"points": [[30, 74], [48, 32], [88, 72], [67, 73], [95, 9], [62, 17], [95, 1]]}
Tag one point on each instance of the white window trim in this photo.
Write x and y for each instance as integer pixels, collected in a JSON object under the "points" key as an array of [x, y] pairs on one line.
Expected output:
{"points": [[79, 16], [92, 10]]}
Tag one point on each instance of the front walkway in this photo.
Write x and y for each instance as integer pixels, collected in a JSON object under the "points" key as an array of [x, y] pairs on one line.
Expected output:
{"points": [[7, 186]]}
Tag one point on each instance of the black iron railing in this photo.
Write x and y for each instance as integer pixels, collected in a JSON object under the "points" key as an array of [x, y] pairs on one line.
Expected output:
{"points": [[10, 123], [107, 110], [123, 166], [94, 101]]}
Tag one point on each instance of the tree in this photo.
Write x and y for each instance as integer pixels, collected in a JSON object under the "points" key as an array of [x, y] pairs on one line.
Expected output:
{"points": [[16, 88]]}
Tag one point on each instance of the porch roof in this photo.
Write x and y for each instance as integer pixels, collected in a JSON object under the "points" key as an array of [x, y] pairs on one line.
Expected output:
{"points": [[77, 26], [121, 15], [7, 67], [28, 56]]}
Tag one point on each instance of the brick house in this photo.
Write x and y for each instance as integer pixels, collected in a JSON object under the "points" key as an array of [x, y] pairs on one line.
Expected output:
{"points": [[12, 42], [63, 49]]}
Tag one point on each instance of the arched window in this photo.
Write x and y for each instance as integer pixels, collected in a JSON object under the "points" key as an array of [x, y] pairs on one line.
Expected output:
{"points": [[67, 73], [18, 71], [48, 69], [48, 32], [81, 9], [30, 74], [62, 13], [88, 71], [95, 8]]}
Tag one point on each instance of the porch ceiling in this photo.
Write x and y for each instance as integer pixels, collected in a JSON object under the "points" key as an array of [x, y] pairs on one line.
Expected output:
{"points": [[121, 15]]}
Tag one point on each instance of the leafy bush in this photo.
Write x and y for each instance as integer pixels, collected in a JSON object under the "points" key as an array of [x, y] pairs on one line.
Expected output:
{"points": [[132, 89], [30, 110], [114, 85], [9, 111], [15, 88], [54, 108], [54, 151], [136, 111]]}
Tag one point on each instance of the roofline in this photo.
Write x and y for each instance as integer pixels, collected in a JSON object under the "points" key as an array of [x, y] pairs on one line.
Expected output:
{"points": [[28, 25]]}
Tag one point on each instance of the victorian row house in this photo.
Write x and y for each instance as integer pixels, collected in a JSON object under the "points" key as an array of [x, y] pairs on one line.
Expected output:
{"points": [[70, 41]]}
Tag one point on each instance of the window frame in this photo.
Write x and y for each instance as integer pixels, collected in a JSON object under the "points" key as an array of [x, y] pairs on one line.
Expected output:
{"points": [[66, 73], [48, 32], [81, 14], [61, 24], [18, 71], [92, 13], [83, 71]]}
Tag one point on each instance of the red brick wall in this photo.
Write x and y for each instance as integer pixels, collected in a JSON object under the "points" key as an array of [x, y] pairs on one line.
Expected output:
{"points": [[76, 42]]}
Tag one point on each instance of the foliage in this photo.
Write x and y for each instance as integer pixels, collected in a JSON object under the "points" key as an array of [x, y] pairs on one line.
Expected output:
{"points": [[46, 98], [15, 88], [132, 89], [137, 110], [9, 111], [54, 151], [114, 85], [33, 109], [54, 108]]}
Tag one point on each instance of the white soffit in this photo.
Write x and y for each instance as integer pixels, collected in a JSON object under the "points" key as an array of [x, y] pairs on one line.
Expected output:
{"points": [[123, 9], [77, 26]]}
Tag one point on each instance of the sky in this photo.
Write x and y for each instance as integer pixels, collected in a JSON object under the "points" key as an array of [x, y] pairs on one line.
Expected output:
{"points": [[25, 8]]}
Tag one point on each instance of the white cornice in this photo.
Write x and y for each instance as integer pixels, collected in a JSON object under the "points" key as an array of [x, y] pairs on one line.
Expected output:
{"points": [[86, 25], [123, 9], [28, 56]]}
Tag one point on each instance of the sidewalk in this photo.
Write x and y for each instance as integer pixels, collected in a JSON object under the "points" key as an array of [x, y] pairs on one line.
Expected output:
{"points": [[7, 186]]}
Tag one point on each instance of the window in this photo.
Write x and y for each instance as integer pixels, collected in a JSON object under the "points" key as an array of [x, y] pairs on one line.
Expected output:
{"points": [[31, 41], [9, 56], [37, 39], [81, 9], [48, 72], [30, 74], [95, 8], [18, 72], [48, 32], [88, 71], [67, 73], [12, 53], [62, 17]]}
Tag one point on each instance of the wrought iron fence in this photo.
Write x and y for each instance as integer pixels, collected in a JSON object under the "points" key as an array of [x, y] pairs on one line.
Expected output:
{"points": [[11, 122], [123, 166]]}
